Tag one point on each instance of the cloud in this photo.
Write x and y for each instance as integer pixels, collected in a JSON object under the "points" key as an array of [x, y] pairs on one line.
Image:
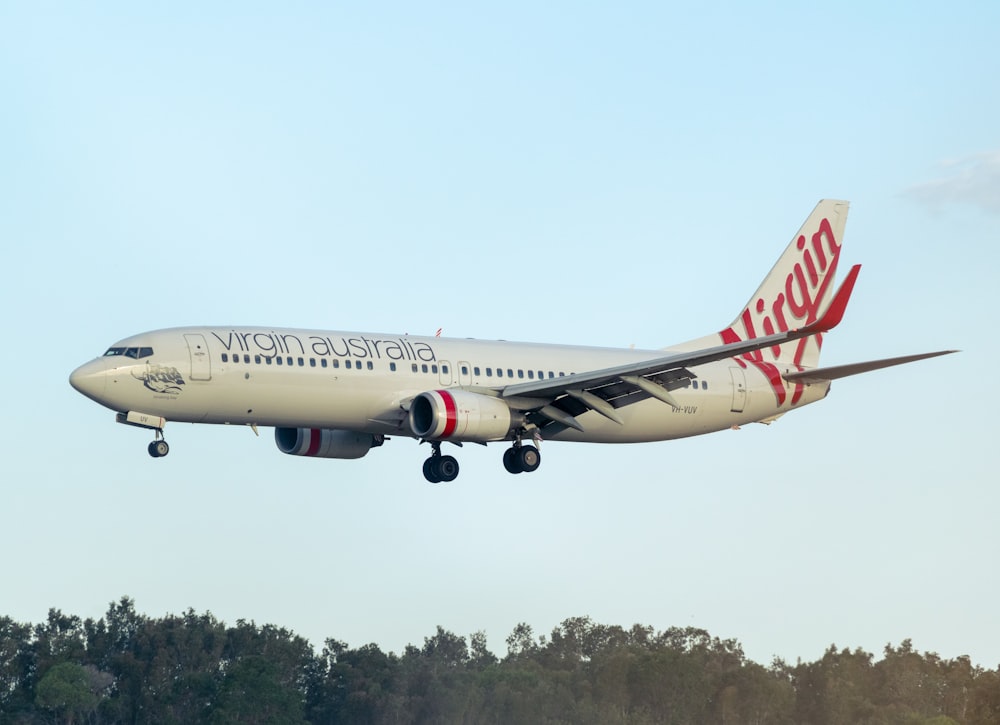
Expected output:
{"points": [[970, 180]]}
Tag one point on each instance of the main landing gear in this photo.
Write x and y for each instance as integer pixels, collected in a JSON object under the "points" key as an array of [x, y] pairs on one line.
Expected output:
{"points": [[440, 468], [516, 459], [521, 459]]}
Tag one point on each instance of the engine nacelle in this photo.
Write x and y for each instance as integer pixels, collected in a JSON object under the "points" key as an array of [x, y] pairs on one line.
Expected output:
{"points": [[325, 442], [459, 415]]}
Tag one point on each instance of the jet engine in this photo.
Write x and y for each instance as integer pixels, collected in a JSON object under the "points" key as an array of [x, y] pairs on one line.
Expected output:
{"points": [[325, 442], [459, 415]]}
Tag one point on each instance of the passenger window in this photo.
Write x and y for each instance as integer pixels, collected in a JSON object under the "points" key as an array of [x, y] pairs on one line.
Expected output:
{"points": [[434, 369], [256, 359], [475, 371], [371, 366], [562, 374], [423, 368], [322, 362], [336, 363], [392, 366], [246, 359], [510, 372], [520, 374], [465, 370], [531, 375], [704, 385], [444, 369], [499, 372], [225, 357], [540, 375], [289, 360], [312, 362], [414, 367], [551, 374], [278, 360], [489, 372], [301, 362], [267, 360], [347, 364]]}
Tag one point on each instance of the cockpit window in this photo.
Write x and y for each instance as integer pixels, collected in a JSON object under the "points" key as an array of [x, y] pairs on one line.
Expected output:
{"points": [[134, 352]]}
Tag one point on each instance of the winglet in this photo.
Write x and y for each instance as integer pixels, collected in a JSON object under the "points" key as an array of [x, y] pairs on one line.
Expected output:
{"points": [[835, 312]]}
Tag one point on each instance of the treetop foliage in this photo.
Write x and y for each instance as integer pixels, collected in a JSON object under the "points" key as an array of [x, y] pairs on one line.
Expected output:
{"points": [[191, 668]]}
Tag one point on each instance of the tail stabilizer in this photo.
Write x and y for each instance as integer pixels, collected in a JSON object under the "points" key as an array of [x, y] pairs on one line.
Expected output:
{"points": [[797, 289], [795, 292], [835, 372]]}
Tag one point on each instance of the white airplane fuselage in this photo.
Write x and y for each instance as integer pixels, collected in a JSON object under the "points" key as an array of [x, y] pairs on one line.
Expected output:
{"points": [[364, 382]]}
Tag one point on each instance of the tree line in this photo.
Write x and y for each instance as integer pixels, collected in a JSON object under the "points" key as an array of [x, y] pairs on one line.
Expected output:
{"points": [[191, 668]]}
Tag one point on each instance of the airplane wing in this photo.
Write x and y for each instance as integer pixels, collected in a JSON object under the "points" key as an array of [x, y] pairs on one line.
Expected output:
{"points": [[605, 390], [820, 375]]}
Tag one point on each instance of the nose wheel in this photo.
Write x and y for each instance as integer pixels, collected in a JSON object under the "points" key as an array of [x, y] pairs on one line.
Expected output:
{"points": [[158, 448]]}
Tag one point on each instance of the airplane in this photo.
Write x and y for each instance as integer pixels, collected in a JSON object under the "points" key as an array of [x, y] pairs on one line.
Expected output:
{"points": [[340, 394]]}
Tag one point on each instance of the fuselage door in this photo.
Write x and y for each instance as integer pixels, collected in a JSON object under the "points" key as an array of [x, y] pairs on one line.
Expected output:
{"points": [[201, 361], [464, 373], [444, 372], [739, 389]]}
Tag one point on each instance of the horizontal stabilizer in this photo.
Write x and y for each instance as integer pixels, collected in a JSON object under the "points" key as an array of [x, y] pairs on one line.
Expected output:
{"points": [[820, 375]]}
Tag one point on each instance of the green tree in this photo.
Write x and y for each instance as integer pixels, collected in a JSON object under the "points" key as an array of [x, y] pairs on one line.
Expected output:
{"points": [[521, 641], [358, 686], [908, 684], [479, 653], [835, 690], [984, 699], [255, 692], [16, 665], [66, 690]]}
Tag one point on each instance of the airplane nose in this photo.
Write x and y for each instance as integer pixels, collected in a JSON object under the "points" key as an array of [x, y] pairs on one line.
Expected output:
{"points": [[90, 379]]}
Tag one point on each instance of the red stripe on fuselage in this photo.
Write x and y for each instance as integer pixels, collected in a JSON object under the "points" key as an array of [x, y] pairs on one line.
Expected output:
{"points": [[315, 437], [450, 412]]}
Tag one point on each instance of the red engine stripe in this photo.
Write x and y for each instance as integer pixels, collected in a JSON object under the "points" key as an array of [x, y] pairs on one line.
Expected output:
{"points": [[451, 413], [315, 438]]}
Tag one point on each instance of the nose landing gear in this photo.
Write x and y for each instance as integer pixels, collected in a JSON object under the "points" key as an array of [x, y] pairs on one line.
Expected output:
{"points": [[158, 448]]}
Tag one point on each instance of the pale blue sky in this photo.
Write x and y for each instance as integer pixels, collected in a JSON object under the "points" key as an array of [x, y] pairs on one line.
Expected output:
{"points": [[574, 173]]}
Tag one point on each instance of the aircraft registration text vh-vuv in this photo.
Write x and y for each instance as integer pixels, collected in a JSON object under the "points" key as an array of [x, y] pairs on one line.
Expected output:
{"points": [[340, 394]]}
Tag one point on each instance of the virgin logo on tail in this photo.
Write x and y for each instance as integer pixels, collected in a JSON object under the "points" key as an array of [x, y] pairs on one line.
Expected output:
{"points": [[794, 304]]}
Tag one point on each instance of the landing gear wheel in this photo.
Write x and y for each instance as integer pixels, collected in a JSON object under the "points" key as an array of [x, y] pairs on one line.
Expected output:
{"points": [[431, 472], [510, 461], [440, 468], [447, 468], [158, 449], [528, 458]]}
